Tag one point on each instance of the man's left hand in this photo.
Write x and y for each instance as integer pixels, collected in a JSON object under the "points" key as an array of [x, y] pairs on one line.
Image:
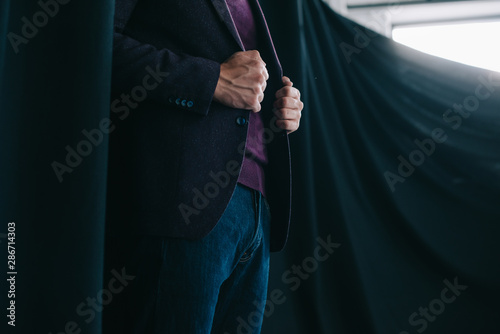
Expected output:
{"points": [[288, 107]]}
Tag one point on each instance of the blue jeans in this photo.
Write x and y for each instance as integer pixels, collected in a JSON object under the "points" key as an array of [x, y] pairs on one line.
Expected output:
{"points": [[214, 285]]}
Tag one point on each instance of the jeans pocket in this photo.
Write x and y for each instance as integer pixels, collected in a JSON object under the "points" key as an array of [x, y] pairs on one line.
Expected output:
{"points": [[247, 255], [257, 230]]}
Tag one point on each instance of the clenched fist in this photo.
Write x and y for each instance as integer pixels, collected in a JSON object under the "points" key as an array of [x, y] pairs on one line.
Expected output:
{"points": [[242, 81], [288, 106]]}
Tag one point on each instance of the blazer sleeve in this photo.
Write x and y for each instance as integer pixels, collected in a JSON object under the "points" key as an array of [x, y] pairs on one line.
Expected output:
{"points": [[189, 84]]}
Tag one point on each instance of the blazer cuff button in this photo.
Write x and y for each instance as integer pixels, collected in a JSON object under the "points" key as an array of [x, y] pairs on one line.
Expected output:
{"points": [[241, 121]]}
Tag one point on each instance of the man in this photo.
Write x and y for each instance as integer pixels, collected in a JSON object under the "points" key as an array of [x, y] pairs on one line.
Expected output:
{"points": [[199, 162]]}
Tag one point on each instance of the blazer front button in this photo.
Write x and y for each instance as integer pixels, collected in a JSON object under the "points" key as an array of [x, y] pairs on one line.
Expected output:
{"points": [[241, 121]]}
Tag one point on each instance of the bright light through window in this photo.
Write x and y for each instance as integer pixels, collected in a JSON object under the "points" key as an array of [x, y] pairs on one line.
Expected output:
{"points": [[476, 44]]}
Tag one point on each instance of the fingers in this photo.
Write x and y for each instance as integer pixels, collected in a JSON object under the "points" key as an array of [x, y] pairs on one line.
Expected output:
{"points": [[256, 108], [266, 73], [288, 106], [286, 81], [287, 114], [254, 54], [258, 88], [242, 81], [257, 66], [288, 91], [261, 76], [288, 125], [288, 102], [256, 103]]}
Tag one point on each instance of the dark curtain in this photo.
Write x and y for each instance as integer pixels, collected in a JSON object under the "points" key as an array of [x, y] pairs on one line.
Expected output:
{"points": [[394, 250], [361, 257], [55, 63]]}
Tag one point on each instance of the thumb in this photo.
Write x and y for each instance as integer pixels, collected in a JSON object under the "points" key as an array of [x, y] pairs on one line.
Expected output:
{"points": [[287, 82]]}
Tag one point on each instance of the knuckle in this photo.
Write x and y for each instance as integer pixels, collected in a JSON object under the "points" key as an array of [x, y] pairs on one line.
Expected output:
{"points": [[287, 102], [255, 100], [256, 105], [249, 100]]}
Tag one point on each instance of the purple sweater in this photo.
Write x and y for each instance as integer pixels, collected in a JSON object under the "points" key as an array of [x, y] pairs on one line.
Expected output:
{"points": [[252, 171]]}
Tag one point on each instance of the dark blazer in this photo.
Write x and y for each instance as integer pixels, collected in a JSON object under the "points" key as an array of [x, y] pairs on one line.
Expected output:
{"points": [[175, 154]]}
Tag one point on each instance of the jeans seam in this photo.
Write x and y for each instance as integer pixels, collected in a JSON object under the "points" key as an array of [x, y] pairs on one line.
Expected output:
{"points": [[256, 240]]}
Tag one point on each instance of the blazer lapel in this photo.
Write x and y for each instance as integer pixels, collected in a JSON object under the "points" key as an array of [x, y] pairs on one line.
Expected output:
{"points": [[261, 21], [225, 16]]}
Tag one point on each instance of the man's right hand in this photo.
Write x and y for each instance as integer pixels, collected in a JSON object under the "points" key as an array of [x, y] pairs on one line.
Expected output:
{"points": [[242, 81]]}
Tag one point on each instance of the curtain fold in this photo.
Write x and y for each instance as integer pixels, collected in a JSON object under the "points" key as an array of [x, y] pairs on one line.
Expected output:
{"points": [[4, 9], [55, 82], [402, 236]]}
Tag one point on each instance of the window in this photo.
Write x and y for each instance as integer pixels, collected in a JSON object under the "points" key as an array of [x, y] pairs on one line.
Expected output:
{"points": [[472, 43]]}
